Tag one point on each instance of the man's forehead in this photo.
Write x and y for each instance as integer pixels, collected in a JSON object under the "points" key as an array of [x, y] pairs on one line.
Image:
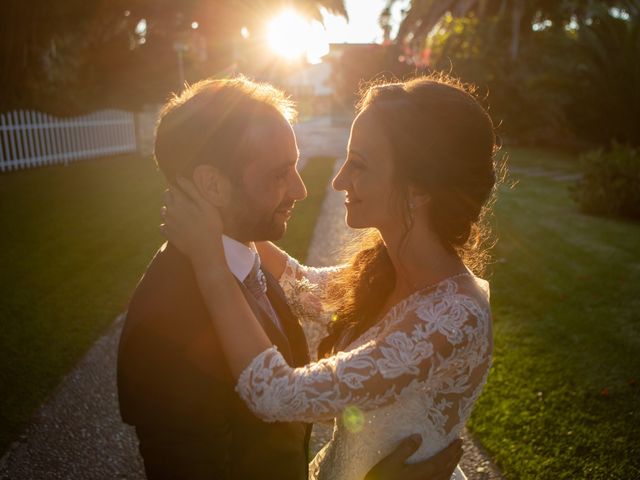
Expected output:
{"points": [[270, 126], [271, 140]]}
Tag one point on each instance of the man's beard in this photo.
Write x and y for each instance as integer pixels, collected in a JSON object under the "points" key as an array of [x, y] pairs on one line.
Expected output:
{"points": [[247, 222]]}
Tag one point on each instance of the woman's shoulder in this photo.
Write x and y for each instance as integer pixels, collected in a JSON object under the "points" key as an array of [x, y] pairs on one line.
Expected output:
{"points": [[464, 293]]}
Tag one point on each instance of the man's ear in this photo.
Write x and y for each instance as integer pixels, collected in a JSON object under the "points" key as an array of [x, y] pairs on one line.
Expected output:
{"points": [[212, 184], [418, 197]]}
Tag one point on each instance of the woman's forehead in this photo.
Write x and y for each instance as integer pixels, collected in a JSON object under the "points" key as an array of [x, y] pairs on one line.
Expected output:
{"points": [[368, 135]]}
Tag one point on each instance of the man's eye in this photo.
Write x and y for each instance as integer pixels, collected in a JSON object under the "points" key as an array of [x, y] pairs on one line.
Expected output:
{"points": [[357, 164]]}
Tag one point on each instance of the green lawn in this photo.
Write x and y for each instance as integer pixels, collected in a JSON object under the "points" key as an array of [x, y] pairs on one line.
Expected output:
{"points": [[74, 243], [563, 399], [316, 174]]}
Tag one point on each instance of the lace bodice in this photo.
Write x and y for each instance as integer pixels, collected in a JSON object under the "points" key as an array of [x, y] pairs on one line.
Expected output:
{"points": [[418, 370]]}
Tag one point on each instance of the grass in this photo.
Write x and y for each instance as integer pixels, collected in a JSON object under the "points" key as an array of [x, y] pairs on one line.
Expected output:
{"points": [[75, 241], [316, 174], [563, 399]]}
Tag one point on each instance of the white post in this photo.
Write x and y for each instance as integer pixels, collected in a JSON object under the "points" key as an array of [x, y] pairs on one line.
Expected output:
{"points": [[48, 149], [3, 145], [17, 116], [12, 139]]}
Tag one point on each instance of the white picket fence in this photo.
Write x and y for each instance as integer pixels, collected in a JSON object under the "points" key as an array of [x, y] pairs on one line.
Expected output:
{"points": [[31, 139]]}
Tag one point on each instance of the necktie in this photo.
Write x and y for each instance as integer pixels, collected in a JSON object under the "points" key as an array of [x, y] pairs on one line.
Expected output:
{"points": [[256, 283]]}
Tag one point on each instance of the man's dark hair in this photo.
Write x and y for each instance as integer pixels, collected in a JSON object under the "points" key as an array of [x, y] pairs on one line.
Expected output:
{"points": [[209, 121]]}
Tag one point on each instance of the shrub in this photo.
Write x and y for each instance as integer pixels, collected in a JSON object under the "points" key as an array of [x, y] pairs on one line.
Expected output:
{"points": [[611, 182]]}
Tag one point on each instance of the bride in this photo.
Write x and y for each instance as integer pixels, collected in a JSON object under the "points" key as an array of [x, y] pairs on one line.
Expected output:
{"points": [[403, 329]]}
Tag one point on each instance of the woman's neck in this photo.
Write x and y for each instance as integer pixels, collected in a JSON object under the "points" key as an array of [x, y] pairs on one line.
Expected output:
{"points": [[419, 258]]}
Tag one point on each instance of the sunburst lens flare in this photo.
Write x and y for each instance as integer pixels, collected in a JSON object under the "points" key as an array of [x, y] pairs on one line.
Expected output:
{"points": [[286, 34], [292, 36]]}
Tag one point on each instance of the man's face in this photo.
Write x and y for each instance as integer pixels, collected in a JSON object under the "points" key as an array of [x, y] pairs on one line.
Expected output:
{"points": [[262, 201]]}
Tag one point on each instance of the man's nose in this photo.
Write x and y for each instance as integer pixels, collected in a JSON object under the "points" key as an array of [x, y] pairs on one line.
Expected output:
{"points": [[297, 190]]}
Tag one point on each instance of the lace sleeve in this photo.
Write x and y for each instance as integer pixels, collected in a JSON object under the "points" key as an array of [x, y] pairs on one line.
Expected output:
{"points": [[304, 288], [440, 342]]}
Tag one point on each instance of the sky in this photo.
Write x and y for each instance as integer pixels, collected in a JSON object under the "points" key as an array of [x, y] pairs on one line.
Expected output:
{"points": [[363, 26], [292, 36]]}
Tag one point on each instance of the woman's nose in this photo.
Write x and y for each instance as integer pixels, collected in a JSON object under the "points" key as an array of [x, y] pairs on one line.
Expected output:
{"points": [[339, 182]]}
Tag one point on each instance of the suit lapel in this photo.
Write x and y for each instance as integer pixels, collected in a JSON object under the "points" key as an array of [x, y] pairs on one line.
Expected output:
{"points": [[290, 323]]}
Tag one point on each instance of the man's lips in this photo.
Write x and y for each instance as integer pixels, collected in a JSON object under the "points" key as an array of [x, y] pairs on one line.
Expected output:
{"points": [[351, 201], [286, 211]]}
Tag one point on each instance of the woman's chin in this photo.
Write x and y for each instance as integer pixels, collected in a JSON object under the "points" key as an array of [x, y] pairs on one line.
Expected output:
{"points": [[353, 222]]}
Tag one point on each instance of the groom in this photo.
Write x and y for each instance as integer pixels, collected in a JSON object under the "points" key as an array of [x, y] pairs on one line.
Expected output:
{"points": [[234, 140]]}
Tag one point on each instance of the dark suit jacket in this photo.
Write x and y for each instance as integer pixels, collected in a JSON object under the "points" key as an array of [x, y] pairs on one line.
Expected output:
{"points": [[175, 387]]}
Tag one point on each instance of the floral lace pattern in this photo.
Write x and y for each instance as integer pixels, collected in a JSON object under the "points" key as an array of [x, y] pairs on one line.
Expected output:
{"points": [[304, 287], [419, 370]]}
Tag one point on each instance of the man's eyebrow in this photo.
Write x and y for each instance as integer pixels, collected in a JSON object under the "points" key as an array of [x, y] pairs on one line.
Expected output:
{"points": [[288, 163]]}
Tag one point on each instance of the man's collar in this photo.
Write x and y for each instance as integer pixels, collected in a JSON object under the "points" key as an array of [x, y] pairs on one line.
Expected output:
{"points": [[240, 257]]}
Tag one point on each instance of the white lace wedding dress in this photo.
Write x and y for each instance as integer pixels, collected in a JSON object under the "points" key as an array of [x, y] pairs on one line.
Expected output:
{"points": [[418, 370]]}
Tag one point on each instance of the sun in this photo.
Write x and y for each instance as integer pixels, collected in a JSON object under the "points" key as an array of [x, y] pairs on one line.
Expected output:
{"points": [[292, 36]]}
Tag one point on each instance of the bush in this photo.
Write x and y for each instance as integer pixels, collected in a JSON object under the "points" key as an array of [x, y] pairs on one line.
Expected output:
{"points": [[611, 182]]}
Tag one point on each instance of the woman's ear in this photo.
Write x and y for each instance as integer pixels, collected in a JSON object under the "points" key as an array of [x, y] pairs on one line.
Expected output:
{"points": [[417, 197], [212, 184]]}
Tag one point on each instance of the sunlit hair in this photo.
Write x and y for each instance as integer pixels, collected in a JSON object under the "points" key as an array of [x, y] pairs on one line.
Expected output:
{"points": [[443, 143], [209, 121]]}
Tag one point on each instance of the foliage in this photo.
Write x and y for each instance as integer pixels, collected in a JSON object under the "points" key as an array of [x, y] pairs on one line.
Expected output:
{"points": [[610, 183], [562, 398], [527, 97], [423, 15], [80, 238], [540, 97], [357, 65], [605, 104]]}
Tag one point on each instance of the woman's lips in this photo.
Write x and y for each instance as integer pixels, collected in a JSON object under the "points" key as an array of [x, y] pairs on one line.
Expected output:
{"points": [[351, 201]]}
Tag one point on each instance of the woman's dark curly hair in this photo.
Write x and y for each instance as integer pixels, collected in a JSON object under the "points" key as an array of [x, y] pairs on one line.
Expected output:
{"points": [[443, 142]]}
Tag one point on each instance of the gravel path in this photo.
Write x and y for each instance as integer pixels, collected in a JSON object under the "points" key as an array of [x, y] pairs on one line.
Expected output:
{"points": [[77, 432]]}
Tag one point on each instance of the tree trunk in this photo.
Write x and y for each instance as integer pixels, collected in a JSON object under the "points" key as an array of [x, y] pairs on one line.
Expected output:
{"points": [[516, 20]]}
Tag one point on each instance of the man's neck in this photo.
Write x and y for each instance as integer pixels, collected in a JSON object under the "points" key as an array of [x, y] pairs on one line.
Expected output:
{"points": [[235, 237]]}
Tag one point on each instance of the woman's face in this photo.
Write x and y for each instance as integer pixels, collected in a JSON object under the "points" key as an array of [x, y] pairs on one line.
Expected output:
{"points": [[367, 176]]}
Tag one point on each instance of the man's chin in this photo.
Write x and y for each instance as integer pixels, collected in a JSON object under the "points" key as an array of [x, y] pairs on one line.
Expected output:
{"points": [[279, 230], [271, 233]]}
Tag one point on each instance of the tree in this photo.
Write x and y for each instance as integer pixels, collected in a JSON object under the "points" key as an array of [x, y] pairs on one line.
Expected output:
{"points": [[424, 15], [74, 55]]}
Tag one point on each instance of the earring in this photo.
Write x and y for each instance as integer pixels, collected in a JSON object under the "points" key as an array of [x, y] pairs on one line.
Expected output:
{"points": [[411, 214]]}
